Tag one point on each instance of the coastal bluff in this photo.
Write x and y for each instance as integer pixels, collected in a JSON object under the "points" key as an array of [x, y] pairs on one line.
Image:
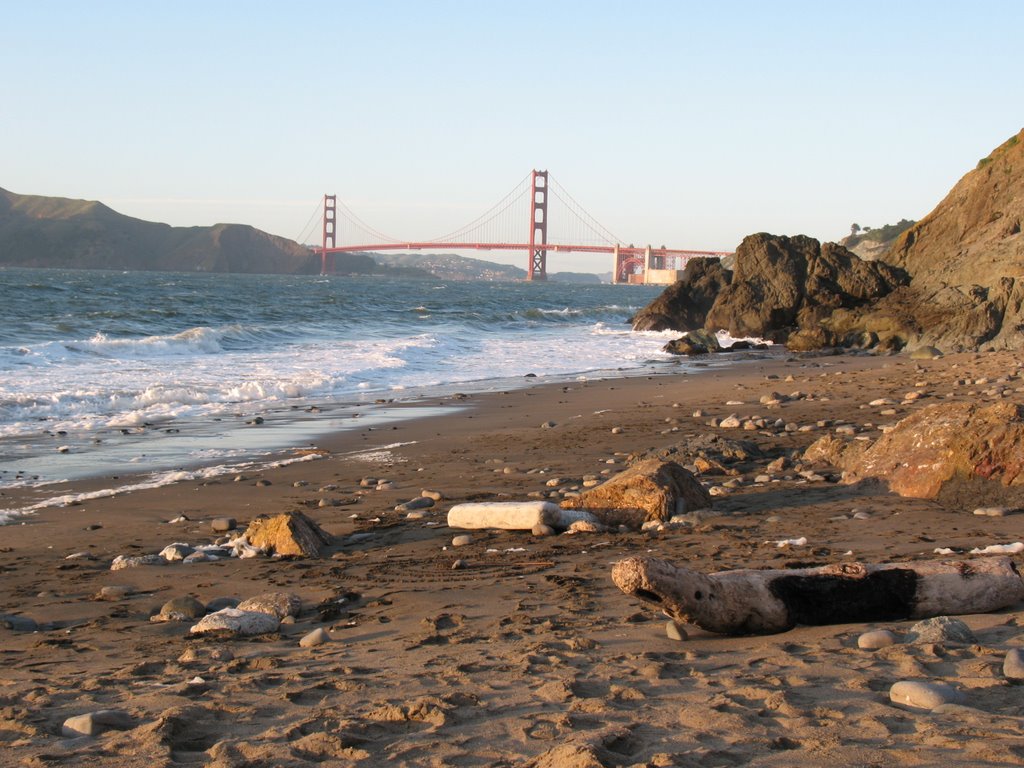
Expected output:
{"points": [[954, 280]]}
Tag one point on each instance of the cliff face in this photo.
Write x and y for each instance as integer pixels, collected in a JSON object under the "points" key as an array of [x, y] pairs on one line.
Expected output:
{"points": [[973, 237], [78, 234]]}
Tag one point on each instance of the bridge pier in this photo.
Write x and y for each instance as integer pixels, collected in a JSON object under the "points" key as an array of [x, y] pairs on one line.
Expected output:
{"points": [[329, 234], [538, 269]]}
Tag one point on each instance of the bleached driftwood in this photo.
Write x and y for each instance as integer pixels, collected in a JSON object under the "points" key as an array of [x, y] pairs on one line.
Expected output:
{"points": [[751, 602], [513, 515]]}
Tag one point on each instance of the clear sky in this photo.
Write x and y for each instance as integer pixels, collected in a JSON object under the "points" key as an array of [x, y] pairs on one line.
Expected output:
{"points": [[689, 124]]}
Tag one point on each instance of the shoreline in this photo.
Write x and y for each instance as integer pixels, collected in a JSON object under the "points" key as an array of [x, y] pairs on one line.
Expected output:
{"points": [[525, 654], [305, 425]]}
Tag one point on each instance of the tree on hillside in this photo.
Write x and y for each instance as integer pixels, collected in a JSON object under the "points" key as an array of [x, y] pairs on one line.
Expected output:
{"points": [[854, 229]]}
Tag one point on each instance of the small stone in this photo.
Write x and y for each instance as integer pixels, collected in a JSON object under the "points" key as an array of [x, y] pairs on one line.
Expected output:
{"points": [[233, 621], [318, 636], [617, 430], [993, 511], [941, 629], [433, 495], [300, 484], [223, 524], [95, 723], [277, 604], [879, 638], [177, 551], [367, 482], [460, 564], [763, 479], [17, 623], [1013, 665], [675, 631], [542, 529], [115, 592], [921, 696], [80, 556], [730, 422], [420, 502], [123, 561], [184, 608], [462, 540], [263, 483], [548, 425]]}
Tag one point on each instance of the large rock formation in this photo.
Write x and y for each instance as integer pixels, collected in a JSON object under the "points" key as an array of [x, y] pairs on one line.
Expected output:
{"points": [[779, 284], [784, 283], [684, 305], [954, 280], [966, 264]]}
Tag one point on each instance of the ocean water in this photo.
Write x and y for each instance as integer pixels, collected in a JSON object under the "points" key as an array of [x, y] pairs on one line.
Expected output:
{"points": [[110, 372]]}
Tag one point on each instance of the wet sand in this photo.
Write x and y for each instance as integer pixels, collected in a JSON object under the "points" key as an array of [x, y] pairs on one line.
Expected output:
{"points": [[528, 654]]}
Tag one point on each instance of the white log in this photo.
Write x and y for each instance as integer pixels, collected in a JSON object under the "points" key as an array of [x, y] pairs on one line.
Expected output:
{"points": [[513, 515], [751, 602]]}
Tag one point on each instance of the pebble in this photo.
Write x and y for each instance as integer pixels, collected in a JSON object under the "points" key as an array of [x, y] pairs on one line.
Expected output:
{"points": [[542, 529], [122, 561], [433, 495], [993, 511], [237, 622], [80, 556], [617, 430], [460, 564], [300, 484], [763, 479], [318, 636], [420, 502], [95, 723], [941, 629], [548, 425], [115, 592], [879, 638], [730, 422], [675, 631], [861, 516], [462, 540], [184, 608], [17, 623], [223, 524], [921, 696], [277, 604], [177, 551], [1013, 665]]}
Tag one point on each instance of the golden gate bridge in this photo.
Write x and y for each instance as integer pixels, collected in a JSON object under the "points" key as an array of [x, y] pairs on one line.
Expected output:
{"points": [[502, 228]]}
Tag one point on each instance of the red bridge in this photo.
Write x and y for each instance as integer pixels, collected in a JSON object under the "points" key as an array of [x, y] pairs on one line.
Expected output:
{"points": [[495, 230]]}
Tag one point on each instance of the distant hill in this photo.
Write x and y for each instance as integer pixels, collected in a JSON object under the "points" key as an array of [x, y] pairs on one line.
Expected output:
{"points": [[449, 266], [58, 232]]}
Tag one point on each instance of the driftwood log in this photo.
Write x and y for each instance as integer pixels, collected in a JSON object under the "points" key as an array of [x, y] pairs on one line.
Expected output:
{"points": [[753, 602], [513, 515]]}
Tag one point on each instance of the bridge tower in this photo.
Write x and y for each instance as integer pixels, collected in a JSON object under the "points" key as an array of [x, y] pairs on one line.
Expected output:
{"points": [[538, 227], [330, 220]]}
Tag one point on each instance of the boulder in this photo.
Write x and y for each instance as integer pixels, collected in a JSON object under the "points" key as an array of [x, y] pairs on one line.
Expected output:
{"points": [[652, 490], [180, 609], [277, 604], [950, 444], [684, 305], [290, 534], [698, 342], [232, 621], [783, 283]]}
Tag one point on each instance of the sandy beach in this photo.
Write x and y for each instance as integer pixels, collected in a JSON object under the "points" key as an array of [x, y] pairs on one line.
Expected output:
{"points": [[525, 654]]}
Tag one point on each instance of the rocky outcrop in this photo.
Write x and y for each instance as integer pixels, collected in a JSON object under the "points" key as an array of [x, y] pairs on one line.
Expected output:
{"points": [[965, 261], [781, 284], [684, 305], [954, 280], [940, 449]]}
